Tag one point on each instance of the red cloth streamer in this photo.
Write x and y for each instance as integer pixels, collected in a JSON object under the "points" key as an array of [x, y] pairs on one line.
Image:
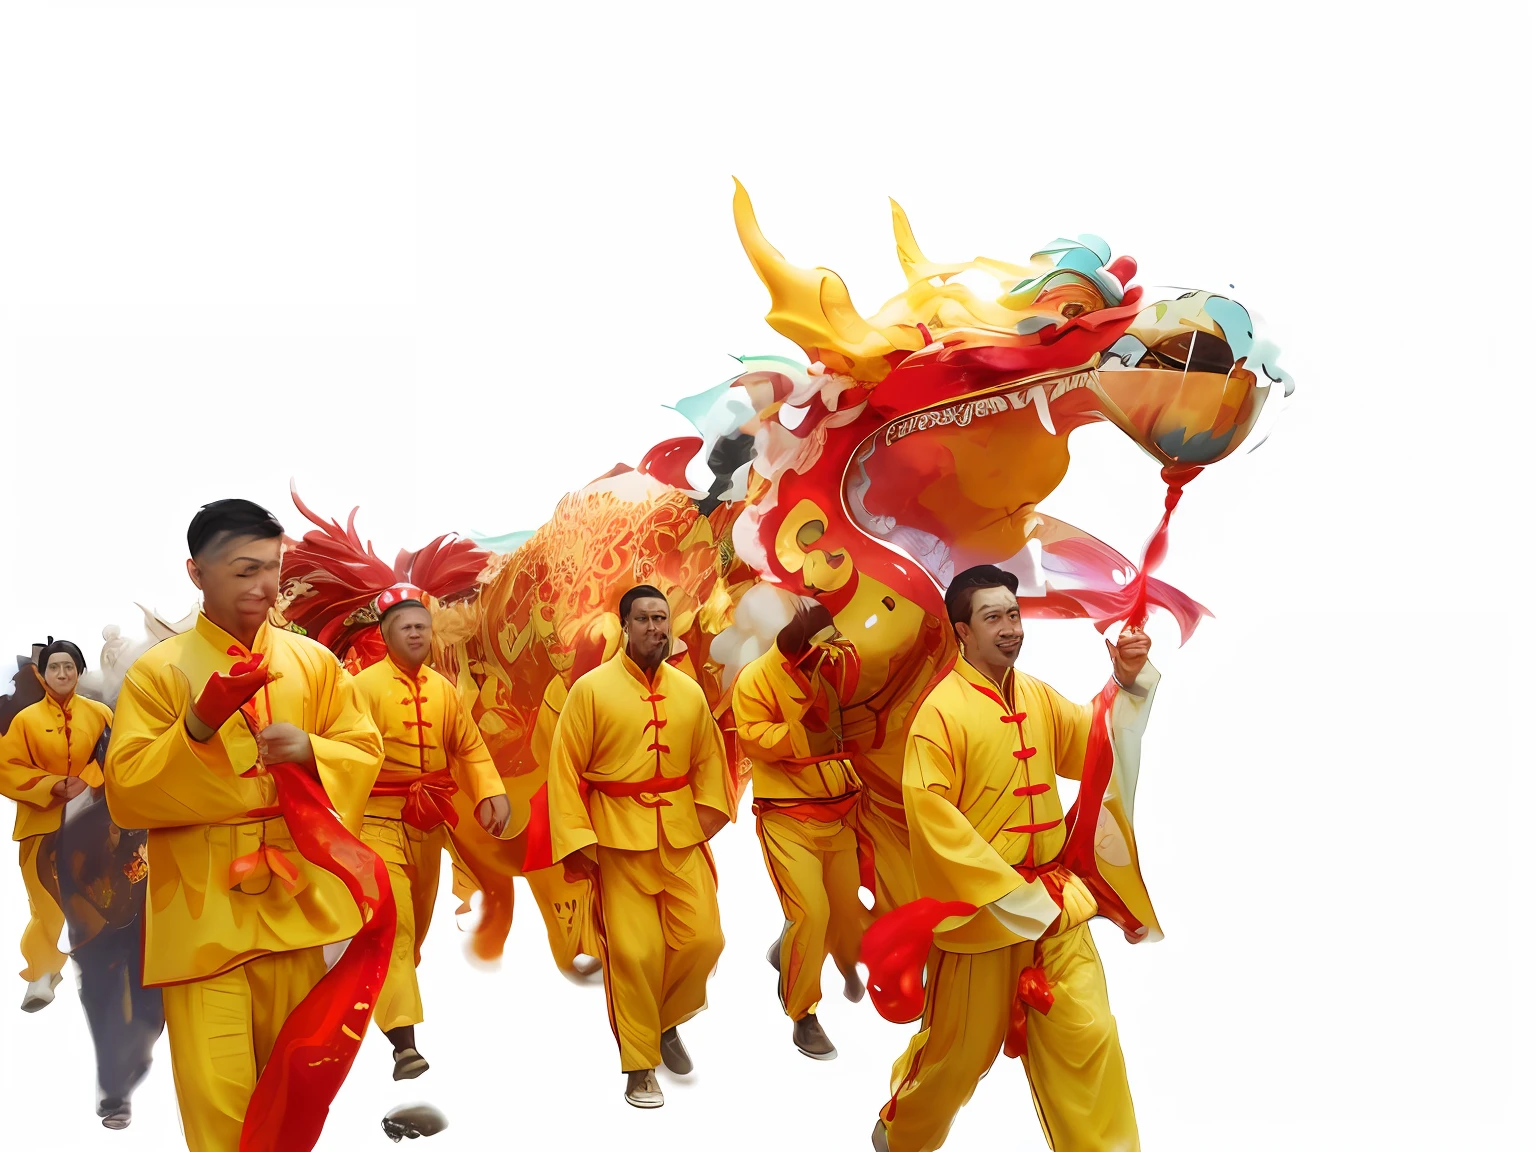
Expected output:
{"points": [[540, 852], [428, 797], [896, 947], [1034, 992], [319, 1040], [1175, 476]]}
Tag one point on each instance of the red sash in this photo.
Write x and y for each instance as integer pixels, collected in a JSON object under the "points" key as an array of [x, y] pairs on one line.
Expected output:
{"points": [[428, 796]]}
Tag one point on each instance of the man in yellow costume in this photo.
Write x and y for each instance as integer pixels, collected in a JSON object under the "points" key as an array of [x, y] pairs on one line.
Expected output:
{"points": [[432, 750], [47, 758], [1013, 965], [788, 708], [637, 784], [236, 919]]}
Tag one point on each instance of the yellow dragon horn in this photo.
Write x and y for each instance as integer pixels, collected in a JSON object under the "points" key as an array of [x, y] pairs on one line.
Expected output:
{"points": [[812, 307], [911, 256]]}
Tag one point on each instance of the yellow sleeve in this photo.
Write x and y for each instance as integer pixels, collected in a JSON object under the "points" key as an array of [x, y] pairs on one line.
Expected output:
{"points": [[91, 773], [764, 733], [1070, 725], [348, 748], [20, 779], [950, 860], [570, 752], [707, 776], [159, 777], [470, 760]]}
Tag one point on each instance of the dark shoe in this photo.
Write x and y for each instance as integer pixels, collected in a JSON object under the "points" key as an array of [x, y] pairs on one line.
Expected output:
{"points": [[878, 1139], [115, 1114], [674, 1055], [812, 1040], [642, 1091], [775, 953], [409, 1064]]}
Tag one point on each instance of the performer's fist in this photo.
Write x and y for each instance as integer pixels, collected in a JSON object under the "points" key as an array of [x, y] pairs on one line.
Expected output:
{"points": [[1129, 653], [809, 621], [68, 788], [493, 813], [283, 743], [223, 695]]}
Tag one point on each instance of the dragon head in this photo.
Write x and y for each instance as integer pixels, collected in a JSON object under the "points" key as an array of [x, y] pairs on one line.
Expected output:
{"points": [[922, 438]]}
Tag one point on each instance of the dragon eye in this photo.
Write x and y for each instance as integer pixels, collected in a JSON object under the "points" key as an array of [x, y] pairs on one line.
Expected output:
{"points": [[1075, 308], [810, 533]]}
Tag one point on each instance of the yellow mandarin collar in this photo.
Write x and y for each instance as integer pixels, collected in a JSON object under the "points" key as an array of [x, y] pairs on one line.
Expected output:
{"points": [[980, 679], [405, 677], [223, 641], [62, 707], [649, 683]]}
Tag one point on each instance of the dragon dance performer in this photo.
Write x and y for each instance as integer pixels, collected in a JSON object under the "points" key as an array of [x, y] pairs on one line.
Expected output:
{"points": [[788, 709], [432, 750], [211, 727], [1013, 965], [48, 756], [637, 785]]}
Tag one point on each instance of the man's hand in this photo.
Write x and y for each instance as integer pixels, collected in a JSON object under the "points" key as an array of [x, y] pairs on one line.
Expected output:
{"points": [[68, 788], [1129, 654], [711, 821], [493, 813], [223, 695], [284, 743]]}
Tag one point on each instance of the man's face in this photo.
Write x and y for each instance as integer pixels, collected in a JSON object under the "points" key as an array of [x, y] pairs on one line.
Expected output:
{"points": [[61, 675], [995, 633], [408, 635], [648, 630], [239, 579]]}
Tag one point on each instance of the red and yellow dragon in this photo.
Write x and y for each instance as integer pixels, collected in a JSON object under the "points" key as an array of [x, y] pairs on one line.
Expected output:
{"points": [[911, 444]]}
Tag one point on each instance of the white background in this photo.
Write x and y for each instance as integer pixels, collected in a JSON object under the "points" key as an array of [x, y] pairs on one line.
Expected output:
{"points": [[448, 261]]}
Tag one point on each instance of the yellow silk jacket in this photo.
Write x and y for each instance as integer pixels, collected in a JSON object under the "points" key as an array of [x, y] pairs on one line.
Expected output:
{"points": [[979, 788], [203, 814], [425, 728], [769, 708], [619, 731], [45, 741]]}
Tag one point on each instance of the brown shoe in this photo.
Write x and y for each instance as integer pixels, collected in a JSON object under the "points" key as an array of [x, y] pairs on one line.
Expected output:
{"points": [[674, 1055], [812, 1040], [642, 1091], [409, 1064]]}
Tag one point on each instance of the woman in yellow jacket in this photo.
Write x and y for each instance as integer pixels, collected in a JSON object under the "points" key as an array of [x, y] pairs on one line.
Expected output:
{"points": [[48, 756]]}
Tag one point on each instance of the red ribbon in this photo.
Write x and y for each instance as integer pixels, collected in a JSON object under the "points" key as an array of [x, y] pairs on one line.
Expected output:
{"points": [[1034, 992], [895, 949], [428, 797], [319, 1040]]}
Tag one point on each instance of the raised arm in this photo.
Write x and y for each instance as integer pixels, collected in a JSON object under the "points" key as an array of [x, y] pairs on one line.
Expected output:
{"points": [[157, 775]]}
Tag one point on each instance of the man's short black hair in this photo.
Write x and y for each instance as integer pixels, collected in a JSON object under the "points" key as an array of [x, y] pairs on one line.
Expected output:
{"points": [[639, 592], [228, 519], [957, 599], [68, 648]]}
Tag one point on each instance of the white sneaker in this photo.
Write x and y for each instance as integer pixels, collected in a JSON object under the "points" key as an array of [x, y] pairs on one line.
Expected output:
{"points": [[40, 992], [642, 1090]]}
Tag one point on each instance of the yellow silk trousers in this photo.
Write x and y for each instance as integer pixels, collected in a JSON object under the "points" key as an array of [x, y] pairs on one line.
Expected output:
{"points": [[814, 867], [894, 882], [222, 1030], [414, 861], [1072, 1054], [661, 941], [40, 938]]}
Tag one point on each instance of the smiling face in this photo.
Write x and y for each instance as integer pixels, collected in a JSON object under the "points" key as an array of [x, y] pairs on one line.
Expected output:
{"points": [[61, 675], [239, 579], [994, 634]]}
